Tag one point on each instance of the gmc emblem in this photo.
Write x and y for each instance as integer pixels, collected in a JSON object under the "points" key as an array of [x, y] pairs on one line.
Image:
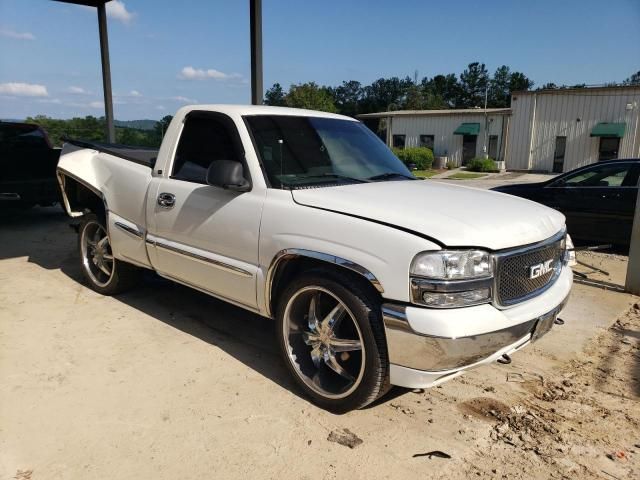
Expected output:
{"points": [[540, 269]]}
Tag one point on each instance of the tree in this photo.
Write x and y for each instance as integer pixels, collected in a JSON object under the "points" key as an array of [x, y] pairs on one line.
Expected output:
{"points": [[500, 88], [633, 79], [275, 96], [347, 97], [310, 95], [549, 86], [444, 90], [519, 82], [161, 126], [385, 94], [473, 83]]}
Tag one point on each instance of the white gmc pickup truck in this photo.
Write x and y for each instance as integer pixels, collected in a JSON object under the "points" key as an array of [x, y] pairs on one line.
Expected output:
{"points": [[374, 278]]}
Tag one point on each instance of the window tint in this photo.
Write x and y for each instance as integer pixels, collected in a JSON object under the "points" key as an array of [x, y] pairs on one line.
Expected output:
{"points": [[204, 140], [599, 176], [26, 136], [427, 141], [300, 151], [398, 141]]}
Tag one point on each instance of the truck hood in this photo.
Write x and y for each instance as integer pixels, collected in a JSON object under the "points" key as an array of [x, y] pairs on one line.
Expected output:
{"points": [[453, 215]]}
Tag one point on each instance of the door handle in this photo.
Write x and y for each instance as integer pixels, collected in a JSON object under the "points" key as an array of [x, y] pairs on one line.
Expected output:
{"points": [[166, 200]]}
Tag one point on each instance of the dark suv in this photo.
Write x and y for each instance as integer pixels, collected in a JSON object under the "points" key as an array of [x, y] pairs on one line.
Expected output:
{"points": [[27, 166]]}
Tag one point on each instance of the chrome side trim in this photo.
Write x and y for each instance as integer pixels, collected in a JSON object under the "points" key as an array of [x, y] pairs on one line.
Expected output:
{"points": [[9, 196], [208, 292], [198, 257], [128, 229], [289, 253]]}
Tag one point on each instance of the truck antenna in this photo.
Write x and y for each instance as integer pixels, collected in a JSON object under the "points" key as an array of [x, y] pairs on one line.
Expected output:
{"points": [[281, 163]]}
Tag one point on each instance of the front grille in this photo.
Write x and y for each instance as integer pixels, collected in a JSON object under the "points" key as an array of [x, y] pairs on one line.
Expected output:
{"points": [[513, 271]]}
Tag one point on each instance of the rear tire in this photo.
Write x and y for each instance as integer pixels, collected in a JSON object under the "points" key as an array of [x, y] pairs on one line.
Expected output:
{"points": [[101, 270], [332, 340]]}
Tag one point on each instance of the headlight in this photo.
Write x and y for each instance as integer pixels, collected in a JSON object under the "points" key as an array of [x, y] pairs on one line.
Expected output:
{"points": [[452, 278], [569, 253], [452, 264]]}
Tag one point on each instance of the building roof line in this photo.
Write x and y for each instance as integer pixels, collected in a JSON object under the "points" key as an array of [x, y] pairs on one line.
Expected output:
{"points": [[450, 111], [587, 89]]}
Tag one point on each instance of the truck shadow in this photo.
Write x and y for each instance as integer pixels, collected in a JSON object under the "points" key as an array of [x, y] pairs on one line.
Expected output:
{"points": [[43, 236]]}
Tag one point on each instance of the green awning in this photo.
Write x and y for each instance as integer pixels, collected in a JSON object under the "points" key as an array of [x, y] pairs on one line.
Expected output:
{"points": [[607, 129], [468, 129]]}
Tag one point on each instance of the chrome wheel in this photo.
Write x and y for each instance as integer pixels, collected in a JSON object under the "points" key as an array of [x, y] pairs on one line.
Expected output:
{"points": [[97, 257], [324, 342]]}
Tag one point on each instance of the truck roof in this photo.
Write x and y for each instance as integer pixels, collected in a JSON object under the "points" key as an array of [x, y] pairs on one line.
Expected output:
{"points": [[261, 110]]}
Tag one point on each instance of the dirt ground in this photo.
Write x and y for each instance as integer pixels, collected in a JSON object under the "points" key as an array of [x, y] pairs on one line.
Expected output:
{"points": [[168, 383]]}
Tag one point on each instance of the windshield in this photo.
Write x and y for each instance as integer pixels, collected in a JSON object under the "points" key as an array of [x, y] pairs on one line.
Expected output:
{"points": [[305, 151]]}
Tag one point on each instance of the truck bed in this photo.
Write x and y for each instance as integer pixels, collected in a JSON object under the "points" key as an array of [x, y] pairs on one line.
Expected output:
{"points": [[140, 155]]}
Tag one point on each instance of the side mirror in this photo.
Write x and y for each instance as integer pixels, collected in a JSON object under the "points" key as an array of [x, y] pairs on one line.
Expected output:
{"points": [[227, 174]]}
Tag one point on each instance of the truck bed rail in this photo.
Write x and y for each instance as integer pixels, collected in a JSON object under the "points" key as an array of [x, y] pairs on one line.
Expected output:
{"points": [[141, 155]]}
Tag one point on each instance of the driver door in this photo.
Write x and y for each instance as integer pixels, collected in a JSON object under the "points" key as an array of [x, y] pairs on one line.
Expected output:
{"points": [[202, 235]]}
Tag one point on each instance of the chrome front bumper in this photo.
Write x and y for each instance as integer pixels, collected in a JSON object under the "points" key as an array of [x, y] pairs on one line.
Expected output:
{"points": [[429, 346]]}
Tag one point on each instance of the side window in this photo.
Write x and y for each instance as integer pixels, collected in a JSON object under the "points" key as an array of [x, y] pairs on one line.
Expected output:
{"points": [[398, 141], [427, 141], [600, 176], [204, 140]]}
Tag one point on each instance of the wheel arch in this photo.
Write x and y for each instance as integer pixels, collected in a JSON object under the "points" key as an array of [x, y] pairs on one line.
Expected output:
{"points": [[291, 261], [80, 196]]}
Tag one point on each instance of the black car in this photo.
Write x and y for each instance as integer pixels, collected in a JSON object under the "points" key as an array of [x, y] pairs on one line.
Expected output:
{"points": [[27, 166], [598, 200]]}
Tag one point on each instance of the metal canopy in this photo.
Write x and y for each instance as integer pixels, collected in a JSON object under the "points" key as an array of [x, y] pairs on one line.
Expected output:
{"points": [[104, 57], [255, 18], [467, 129], [606, 129], [88, 3]]}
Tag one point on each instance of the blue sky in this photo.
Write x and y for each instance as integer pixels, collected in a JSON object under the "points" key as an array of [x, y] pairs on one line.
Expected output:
{"points": [[166, 53]]}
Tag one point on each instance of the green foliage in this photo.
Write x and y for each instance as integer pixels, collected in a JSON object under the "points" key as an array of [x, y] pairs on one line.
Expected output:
{"points": [[473, 82], [480, 164], [311, 96], [275, 96], [421, 157], [93, 129], [633, 79], [450, 165], [466, 176]]}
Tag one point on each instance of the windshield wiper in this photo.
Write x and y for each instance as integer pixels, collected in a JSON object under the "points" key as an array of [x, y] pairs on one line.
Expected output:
{"points": [[387, 175], [337, 177]]}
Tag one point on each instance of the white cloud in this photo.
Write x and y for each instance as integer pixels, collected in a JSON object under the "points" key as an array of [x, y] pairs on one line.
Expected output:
{"points": [[116, 10], [190, 73], [159, 107], [5, 32], [55, 101], [135, 93], [77, 90], [96, 104], [23, 89], [182, 99]]}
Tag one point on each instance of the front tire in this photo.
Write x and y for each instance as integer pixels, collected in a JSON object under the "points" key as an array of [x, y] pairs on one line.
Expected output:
{"points": [[332, 340], [101, 270]]}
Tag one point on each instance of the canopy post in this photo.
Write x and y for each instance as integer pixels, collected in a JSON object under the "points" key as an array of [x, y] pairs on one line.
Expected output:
{"points": [[106, 72], [255, 14]]}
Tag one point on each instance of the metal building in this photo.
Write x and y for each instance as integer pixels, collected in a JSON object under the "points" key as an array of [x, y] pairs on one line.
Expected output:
{"points": [[547, 130], [458, 135], [559, 130]]}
